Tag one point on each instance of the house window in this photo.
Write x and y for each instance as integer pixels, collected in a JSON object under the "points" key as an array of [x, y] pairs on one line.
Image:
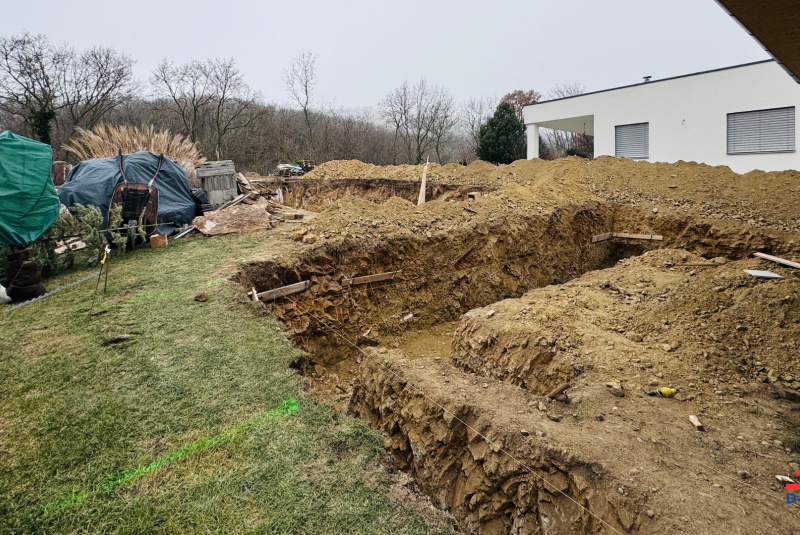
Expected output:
{"points": [[633, 141], [753, 132]]}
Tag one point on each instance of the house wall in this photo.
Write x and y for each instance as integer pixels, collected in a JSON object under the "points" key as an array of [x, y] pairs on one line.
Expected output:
{"points": [[687, 116]]}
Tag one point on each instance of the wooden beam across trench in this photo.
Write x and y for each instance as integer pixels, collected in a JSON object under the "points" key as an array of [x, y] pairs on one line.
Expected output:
{"points": [[608, 235], [279, 292], [389, 275]]}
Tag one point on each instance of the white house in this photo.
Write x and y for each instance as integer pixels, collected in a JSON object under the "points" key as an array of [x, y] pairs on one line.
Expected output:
{"points": [[742, 117]]}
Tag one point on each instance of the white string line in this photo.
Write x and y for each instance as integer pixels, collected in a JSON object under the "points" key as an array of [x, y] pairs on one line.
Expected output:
{"points": [[465, 424]]}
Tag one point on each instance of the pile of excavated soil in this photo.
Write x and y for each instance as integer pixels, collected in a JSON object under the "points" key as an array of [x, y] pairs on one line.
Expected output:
{"points": [[757, 198]]}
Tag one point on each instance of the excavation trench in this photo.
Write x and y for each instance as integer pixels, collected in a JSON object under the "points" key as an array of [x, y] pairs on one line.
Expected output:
{"points": [[381, 351], [316, 194]]}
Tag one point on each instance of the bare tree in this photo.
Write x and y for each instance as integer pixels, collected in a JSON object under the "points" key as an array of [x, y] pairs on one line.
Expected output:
{"points": [[189, 90], [94, 83], [421, 116], [30, 69], [235, 103], [474, 113], [301, 78]]}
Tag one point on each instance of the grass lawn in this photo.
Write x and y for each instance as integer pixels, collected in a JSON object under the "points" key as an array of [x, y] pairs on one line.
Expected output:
{"points": [[186, 427]]}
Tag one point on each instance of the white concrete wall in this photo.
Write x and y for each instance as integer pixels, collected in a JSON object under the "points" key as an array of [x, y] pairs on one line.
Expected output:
{"points": [[687, 116]]}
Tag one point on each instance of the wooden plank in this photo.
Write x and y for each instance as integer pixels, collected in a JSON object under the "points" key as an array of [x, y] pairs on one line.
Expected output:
{"points": [[608, 235], [637, 236], [423, 184], [696, 423], [254, 295], [370, 278], [601, 237], [778, 260], [283, 291]]}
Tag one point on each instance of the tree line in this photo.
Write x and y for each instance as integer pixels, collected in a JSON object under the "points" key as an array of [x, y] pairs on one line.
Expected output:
{"points": [[47, 91]]}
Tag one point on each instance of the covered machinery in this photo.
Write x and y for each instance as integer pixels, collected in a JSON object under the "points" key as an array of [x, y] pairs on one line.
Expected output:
{"points": [[147, 186]]}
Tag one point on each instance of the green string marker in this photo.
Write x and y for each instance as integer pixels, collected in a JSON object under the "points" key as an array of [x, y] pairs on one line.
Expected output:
{"points": [[287, 407]]}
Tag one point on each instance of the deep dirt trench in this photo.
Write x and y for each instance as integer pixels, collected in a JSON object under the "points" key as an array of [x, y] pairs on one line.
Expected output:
{"points": [[403, 330], [316, 194]]}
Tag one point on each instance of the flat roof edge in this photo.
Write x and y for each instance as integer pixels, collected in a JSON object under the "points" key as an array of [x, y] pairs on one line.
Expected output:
{"points": [[657, 81]]}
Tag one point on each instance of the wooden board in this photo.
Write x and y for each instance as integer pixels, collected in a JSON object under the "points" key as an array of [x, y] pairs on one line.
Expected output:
{"points": [[637, 236], [602, 237], [778, 260], [283, 291], [696, 423], [223, 167], [370, 278], [608, 235]]}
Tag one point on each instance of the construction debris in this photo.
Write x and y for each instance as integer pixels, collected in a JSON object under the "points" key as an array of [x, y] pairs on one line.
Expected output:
{"points": [[234, 219], [762, 274]]}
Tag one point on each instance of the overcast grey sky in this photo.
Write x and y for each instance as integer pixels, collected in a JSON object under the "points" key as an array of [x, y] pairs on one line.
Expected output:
{"points": [[366, 48]]}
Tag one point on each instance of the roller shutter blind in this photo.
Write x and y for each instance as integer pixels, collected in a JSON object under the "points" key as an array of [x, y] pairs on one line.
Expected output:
{"points": [[633, 141], [760, 131]]}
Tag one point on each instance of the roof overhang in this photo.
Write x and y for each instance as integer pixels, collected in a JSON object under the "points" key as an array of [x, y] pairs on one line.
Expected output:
{"points": [[578, 125], [775, 25]]}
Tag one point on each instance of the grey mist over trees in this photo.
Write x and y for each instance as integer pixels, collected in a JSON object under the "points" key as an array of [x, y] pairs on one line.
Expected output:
{"points": [[48, 91]]}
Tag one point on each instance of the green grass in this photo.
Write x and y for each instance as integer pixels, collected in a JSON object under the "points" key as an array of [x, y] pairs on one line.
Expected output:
{"points": [[166, 432]]}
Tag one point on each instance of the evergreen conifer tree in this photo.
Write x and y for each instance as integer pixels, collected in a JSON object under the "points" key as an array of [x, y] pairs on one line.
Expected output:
{"points": [[500, 137]]}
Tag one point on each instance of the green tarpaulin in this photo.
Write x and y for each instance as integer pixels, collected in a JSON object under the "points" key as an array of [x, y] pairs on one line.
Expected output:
{"points": [[28, 200]]}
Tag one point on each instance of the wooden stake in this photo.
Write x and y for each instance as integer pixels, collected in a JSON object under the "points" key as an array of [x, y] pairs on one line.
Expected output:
{"points": [[778, 260], [696, 423], [558, 391], [423, 185]]}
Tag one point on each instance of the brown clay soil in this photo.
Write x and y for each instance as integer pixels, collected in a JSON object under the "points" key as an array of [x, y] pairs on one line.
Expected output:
{"points": [[503, 298]]}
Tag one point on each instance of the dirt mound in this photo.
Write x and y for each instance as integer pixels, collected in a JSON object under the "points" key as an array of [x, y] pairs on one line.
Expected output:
{"points": [[443, 173], [760, 199]]}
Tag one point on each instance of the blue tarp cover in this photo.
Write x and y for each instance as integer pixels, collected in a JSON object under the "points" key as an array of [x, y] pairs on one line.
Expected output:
{"points": [[93, 182]]}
